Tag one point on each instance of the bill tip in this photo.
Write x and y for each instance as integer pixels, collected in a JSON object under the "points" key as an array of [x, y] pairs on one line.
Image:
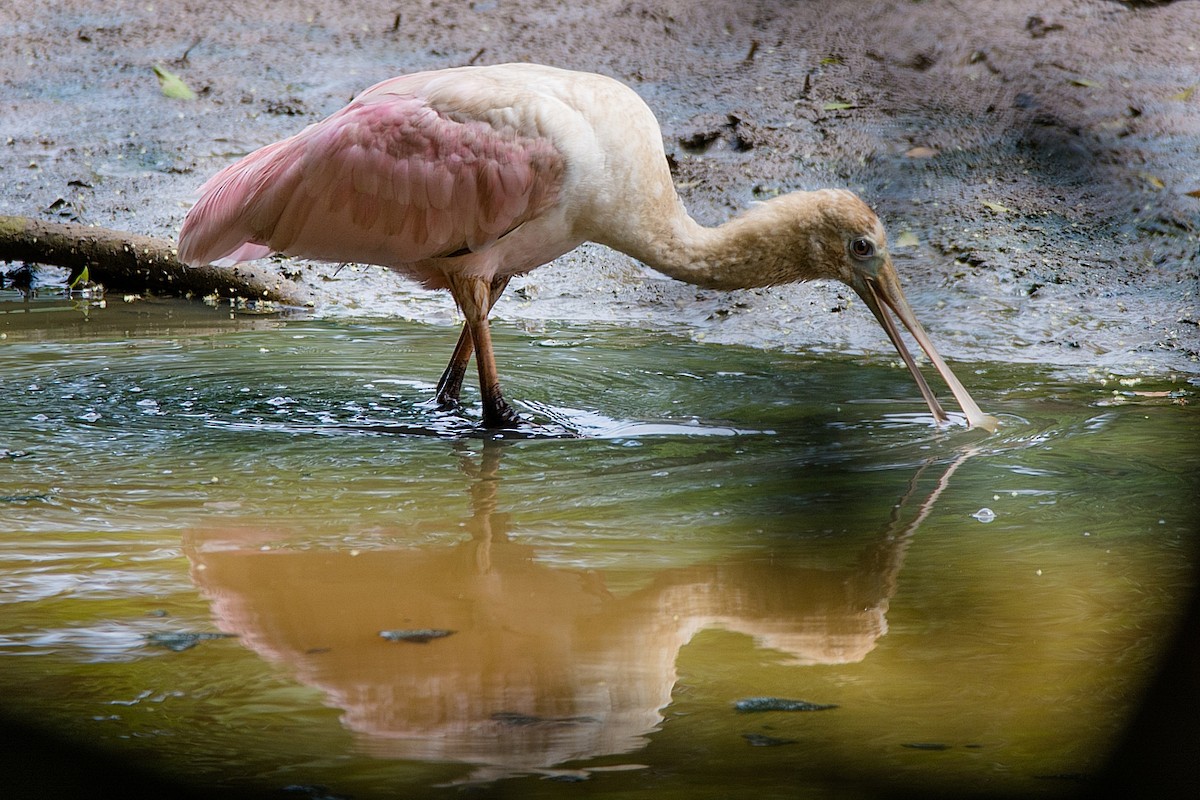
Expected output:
{"points": [[985, 421]]}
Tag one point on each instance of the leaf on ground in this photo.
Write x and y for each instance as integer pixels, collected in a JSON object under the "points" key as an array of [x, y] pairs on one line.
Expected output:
{"points": [[1193, 193], [999, 209], [1153, 180], [172, 85], [1185, 95], [1090, 84], [921, 152], [907, 239], [837, 106]]}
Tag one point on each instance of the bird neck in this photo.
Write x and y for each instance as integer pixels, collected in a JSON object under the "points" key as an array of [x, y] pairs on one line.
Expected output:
{"points": [[759, 247]]}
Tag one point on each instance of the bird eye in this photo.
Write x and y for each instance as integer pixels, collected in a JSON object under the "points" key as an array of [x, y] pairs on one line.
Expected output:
{"points": [[862, 248]]}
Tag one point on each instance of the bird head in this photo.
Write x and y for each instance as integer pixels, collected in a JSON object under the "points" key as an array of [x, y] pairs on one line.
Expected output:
{"points": [[851, 247]]}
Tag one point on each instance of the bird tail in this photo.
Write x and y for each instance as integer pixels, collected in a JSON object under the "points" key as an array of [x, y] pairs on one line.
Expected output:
{"points": [[225, 227]]}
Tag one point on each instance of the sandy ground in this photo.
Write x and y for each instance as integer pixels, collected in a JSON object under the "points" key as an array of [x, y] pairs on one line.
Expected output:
{"points": [[1036, 163]]}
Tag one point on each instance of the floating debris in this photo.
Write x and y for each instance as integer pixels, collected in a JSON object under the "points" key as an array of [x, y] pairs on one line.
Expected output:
{"points": [[314, 791], [565, 776], [516, 718], [762, 740], [181, 641], [926, 746], [754, 704], [24, 498], [416, 635], [984, 515]]}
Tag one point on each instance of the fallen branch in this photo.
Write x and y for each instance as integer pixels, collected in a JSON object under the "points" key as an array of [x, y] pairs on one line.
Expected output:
{"points": [[127, 262]]}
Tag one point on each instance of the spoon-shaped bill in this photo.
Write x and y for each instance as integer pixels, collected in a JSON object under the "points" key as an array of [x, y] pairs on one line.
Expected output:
{"points": [[882, 293]]}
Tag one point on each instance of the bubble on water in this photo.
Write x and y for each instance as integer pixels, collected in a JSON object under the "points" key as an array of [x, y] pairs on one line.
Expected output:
{"points": [[984, 515]]}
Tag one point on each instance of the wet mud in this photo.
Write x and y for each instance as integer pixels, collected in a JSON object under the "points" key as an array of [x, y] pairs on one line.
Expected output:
{"points": [[1037, 164]]}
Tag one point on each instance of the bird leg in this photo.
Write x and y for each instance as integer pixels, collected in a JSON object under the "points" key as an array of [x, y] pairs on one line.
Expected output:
{"points": [[450, 385], [474, 298]]}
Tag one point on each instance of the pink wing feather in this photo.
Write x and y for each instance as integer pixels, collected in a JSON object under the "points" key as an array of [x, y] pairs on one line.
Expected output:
{"points": [[387, 180]]}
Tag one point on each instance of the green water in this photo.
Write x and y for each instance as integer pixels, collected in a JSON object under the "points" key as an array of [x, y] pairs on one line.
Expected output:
{"points": [[724, 524]]}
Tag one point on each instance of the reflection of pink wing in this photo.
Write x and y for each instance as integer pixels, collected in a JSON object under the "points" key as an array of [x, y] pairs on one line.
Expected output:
{"points": [[387, 180]]}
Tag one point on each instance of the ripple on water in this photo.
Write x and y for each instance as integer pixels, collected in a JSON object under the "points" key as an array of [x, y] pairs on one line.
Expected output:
{"points": [[665, 480]]}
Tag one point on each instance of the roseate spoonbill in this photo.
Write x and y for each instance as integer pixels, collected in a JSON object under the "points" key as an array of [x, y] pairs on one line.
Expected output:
{"points": [[462, 178]]}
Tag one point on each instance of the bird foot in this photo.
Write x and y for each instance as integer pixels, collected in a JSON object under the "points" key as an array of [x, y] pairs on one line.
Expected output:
{"points": [[501, 415], [498, 416], [445, 403]]}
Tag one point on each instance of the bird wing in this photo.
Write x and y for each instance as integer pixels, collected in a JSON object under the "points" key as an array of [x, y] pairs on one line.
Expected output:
{"points": [[390, 179]]}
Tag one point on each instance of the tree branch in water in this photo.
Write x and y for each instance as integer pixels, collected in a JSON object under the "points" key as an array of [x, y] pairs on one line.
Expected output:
{"points": [[128, 262]]}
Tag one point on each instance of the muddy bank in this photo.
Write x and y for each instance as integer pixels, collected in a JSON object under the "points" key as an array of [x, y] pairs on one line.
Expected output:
{"points": [[1036, 163]]}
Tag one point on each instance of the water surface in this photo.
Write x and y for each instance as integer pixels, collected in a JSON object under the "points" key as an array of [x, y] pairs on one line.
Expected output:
{"points": [[207, 522]]}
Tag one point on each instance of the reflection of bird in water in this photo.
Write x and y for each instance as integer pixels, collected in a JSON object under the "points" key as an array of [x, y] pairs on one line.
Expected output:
{"points": [[534, 663], [463, 178]]}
